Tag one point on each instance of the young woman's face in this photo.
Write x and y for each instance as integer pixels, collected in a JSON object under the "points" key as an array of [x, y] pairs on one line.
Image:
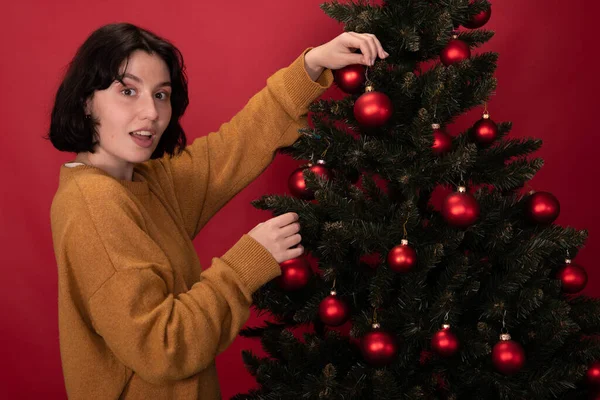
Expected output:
{"points": [[134, 113]]}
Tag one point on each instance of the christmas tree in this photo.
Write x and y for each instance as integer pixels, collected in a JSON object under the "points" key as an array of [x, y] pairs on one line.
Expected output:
{"points": [[398, 299]]}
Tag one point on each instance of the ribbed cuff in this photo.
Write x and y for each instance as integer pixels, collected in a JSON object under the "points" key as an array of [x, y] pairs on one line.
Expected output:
{"points": [[300, 88], [253, 262]]}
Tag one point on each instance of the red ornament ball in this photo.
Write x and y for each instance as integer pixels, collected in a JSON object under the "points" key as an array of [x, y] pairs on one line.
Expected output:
{"points": [[592, 375], [297, 184], [460, 209], [508, 356], [573, 277], [373, 109], [444, 342], [455, 51], [442, 142], [378, 348], [351, 78], [333, 311], [295, 273], [485, 131], [402, 258], [542, 208], [479, 19]]}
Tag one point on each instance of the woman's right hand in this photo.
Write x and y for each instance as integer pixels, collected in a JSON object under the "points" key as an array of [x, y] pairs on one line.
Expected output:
{"points": [[278, 234]]}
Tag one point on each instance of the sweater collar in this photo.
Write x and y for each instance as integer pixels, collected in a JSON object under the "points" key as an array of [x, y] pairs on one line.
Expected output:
{"points": [[138, 186]]}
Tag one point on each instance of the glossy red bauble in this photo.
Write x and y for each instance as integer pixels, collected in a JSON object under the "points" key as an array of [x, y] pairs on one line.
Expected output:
{"points": [[460, 209], [351, 78], [333, 311], [455, 51], [542, 208], [295, 273], [379, 348], [402, 258], [373, 109], [297, 184]]}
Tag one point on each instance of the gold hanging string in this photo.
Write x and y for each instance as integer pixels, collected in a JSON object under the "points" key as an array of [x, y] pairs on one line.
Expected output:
{"points": [[325, 151]]}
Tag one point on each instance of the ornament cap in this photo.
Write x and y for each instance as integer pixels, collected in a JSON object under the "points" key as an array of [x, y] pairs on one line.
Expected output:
{"points": [[435, 126], [333, 293], [376, 326], [486, 115], [454, 36], [531, 192], [504, 336], [322, 162], [404, 242], [369, 88], [445, 326], [568, 261], [461, 189]]}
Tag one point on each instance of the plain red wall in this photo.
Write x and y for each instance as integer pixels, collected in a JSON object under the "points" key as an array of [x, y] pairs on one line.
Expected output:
{"points": [[548, 87]]}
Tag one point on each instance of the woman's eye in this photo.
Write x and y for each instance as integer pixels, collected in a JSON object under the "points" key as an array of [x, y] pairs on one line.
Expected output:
{"points": [[162, 95], [128, 92]]}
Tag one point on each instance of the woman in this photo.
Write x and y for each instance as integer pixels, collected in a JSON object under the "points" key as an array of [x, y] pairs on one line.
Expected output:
{"points": [[138, 318]]}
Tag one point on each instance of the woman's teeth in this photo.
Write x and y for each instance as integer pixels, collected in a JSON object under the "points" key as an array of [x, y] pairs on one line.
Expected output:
{"points": [[142, 134]]}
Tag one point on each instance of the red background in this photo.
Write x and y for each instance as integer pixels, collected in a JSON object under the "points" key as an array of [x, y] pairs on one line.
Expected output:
{"points": [[547, 86]]}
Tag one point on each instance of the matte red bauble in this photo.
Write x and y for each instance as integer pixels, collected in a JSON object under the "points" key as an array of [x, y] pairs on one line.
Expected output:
{"points": [[542, 207], [402, 258], [484, 131], [592, 375], [333, 311], [479, 19], [351, 78], [297, 184], [460, 209], [508, 356], [372, 109], [442, 142], [295, 273], [444, 342], [573, 277], [455, 51], [378, 348]]}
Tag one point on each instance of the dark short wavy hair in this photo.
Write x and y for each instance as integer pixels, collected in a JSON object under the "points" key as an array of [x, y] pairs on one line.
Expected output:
{"points": [[95, 67]]}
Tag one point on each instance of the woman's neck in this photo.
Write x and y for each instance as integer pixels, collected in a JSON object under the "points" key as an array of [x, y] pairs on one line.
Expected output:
{"points": [[121, 172]]}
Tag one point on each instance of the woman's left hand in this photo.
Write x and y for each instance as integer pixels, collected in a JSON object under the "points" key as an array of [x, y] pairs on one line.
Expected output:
{"points": [[339, 53]]}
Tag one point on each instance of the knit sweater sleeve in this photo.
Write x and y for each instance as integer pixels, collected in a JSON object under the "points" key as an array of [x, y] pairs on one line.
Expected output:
{"points": [[215, 167], [124, 277]]}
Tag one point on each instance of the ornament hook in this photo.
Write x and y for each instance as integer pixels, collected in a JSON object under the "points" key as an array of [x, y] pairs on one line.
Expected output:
{"points": [[504, 330]]}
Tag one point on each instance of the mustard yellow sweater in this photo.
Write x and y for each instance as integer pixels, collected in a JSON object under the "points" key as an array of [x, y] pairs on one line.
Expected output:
{"points": [[138, 318]]}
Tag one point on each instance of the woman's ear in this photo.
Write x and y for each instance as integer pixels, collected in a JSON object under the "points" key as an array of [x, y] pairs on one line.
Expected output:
{"points": [[88, 105]]}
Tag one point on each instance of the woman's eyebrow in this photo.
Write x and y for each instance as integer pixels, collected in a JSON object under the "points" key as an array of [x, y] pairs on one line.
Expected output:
{"points": [[139, 80]]}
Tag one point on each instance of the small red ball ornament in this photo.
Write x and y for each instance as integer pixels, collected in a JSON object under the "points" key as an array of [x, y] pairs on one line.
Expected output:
{"points": [[297, 184], [444, 342], [442, 142], [573, 277], [295, 273], [508, 356], [542, 207], [460, 209], [455, 51], [592, 375], [333, 311], [402, 258], [479, 19], [378, 348], [351, 78], [484, 131], [372, 109]]}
